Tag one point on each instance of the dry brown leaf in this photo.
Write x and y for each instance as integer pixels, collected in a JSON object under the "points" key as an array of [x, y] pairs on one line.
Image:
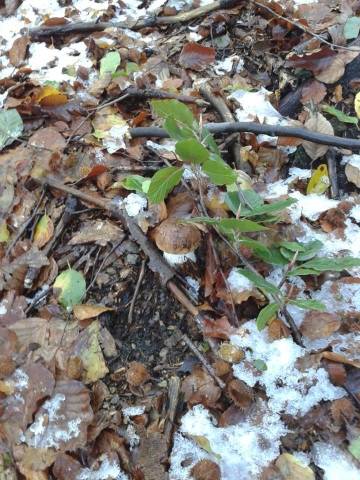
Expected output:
{"points": [[86, 311], [62, 421], [199, 387], [313, 91], [30, 459], [17, 52], [277, 329], [49, 139], [317, 123], [66, 467], [196, 57], [97, 231], [240, 393], [137, 374], [219, 328], [319, 324], [8, 347], [337, 373], [206, 470], [31, 384], [352, 172], [172, 236], [335, 70]]}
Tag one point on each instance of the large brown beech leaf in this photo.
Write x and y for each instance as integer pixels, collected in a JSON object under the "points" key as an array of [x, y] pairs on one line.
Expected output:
{"points": [[62, 421], [29, 385], [317, 123], [196, 57], [199, 387]]}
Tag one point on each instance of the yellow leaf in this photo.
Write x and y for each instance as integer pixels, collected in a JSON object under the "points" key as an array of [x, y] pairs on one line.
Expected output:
{"points": [[50, 96], [91, 354], [357, 104], [319, 181], [83, 312], [44, 230], [204, 443], [292, 469], [4, 233]]}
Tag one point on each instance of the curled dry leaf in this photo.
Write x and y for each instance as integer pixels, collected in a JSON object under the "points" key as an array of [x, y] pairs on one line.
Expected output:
{"points": [[196, 57], [319, 324], [44, 230], [137, 374], [277, 329], [30, 385], [317, 123], [172, 236], [293, 469], [97, 231], [219, 328], [17, 52], [86, 311], [206, 470], [240, 393], [62, 421], [199, 387], [337, 373]]}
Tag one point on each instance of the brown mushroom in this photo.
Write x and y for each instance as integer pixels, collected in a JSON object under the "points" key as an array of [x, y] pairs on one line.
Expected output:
{"points": [[176, 237]]}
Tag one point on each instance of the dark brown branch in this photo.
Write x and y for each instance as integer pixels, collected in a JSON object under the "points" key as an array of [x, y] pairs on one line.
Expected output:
{"points": [[273, 130], [41, 33]]}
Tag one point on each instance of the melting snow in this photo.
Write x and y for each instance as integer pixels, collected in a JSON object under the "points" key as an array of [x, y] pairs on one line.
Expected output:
{"points": [[21, 379], [335, 463], [241, 451], [133, 411], [237, 282], [310, 206], [289, 390], [355, 213], [107, 471], [134, 204]]}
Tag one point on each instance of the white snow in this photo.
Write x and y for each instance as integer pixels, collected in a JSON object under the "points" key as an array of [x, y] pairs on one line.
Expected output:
{"points": [[281, 187], [184, 455], [20, 379], [174, 259], [310, 206], [134, 204], [255, 105], [289, 390], [351, 159], [335, 462], [3, 309], [222, 67], [241, 451], [133, 411], [355, 213], [115, 138], [237, 282], [109, 470]]}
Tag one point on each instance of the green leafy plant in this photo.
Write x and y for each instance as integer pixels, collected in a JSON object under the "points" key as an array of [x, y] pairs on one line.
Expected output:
{"points": [[196, 149]]}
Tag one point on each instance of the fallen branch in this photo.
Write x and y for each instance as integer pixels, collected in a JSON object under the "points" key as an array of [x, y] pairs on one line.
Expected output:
{"points": [[41, 33], [252, 127]]}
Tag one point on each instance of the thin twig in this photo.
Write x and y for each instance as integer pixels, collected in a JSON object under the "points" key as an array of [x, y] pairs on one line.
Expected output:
{"points": [[257, 128], [203, 360], [334, 183], [303, 28], [136, 292]]}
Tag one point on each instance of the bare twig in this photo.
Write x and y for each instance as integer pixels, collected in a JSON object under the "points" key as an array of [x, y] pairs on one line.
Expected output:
{"points": [[331, 162], [136, 292], [173, 394], [252, 127], [203, 360], [41, 33]]}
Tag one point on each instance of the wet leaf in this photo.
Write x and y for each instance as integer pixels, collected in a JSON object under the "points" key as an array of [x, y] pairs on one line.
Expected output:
{"points": [[71, 286], [44, 231], [196, 57], [11, 127], [163, 182]]}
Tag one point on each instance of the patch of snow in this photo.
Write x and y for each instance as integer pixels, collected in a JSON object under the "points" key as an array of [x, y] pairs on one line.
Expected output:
{"points": [[335, 462], [303, 457], [132, 437], [135, 204], [167, 146], [133, 411], [346, 298], [355, 213], [222, 67], [289, 390], [310, 206], [237, 282], [3, 309], [174, 259], [184, 455], [107, 471], [241, 451], [351, 159], [256, 105], [281, 187], [115, 138], [21, 379]]}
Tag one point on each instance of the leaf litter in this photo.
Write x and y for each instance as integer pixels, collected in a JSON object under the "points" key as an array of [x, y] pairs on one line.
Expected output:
{"points": [[94, 351]]}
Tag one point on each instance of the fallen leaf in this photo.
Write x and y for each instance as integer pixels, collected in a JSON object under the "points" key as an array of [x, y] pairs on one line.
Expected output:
{"points": [[137, 374], [319, 324], [317, 123], [352, 172], [50, 96], [206, 470], [313, 91], [11, 127], [86, 311], [17, 52], [49, 139], [319, 181], [292, 468], [196, 57], [240, 393], [44, 231], [199, 387], [97, 231]]}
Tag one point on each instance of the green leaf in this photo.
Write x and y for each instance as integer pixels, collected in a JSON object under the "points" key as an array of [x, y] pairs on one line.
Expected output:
{"points": [[341, 116], [268, 208], [72, 288], [255, 245], [176, 132], [293, 246], [266, 314], [308, 304], [306, 250], [259, 281], [175, 110], [134, 182], [354, 448], [274, 258], [131, 67], [163, 182], [109, 63], [260, 365], [11, 127], [327, 264], [245, 198], [219, 172], [191, 151], [231, 224], [4, 233], [352, 28], [208, 139]]}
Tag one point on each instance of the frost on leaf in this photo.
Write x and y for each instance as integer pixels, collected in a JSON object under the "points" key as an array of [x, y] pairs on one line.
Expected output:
{"points": [[62, 421]]}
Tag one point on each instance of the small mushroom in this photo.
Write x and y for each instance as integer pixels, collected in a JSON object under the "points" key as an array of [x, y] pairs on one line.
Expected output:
{"points": [[176, 237]]}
